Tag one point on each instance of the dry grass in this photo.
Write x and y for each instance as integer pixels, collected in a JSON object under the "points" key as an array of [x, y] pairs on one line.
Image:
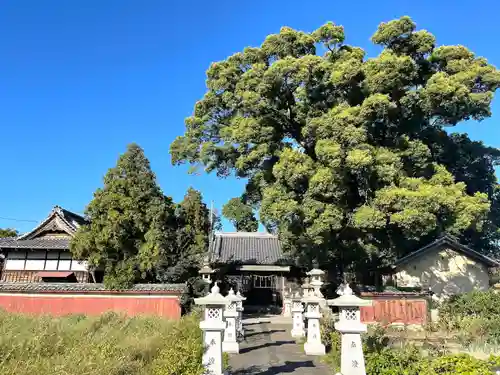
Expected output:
{"points": [[107, 345]]}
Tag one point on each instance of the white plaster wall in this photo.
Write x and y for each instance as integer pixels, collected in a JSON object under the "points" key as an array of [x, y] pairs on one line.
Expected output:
{"points": [[15, 261], [446, 272]]}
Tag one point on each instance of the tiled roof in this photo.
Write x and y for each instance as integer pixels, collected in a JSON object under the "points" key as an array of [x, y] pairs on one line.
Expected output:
{"points": [[453, 243], [86, 287], [60, 219], [37, 243], [246, 248]]}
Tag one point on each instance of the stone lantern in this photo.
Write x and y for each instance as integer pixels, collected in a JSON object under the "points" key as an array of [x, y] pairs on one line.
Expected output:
{"points": [[230, 343], [206, 273], [306, 288], [352, 361], [287, 304], [240, 309], [213, 327], [316, 276], [313, 345], [297, 319]]}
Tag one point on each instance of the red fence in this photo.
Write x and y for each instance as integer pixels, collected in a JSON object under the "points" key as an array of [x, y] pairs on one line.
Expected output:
{"points": [[90, 299], [392, 308]]}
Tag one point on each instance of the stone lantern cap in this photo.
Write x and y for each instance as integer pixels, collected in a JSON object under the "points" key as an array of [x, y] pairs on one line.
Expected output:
{"points": [[312, 299], [348, 299], [214, 298], [315, 272], [296, 296], [240, 296], [306, 285], [232, 297], [206, 270]]}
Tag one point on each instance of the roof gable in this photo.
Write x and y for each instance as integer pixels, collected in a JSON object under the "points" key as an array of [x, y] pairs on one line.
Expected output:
{"points": [[59, 220], [246, 248], [451, 243]]}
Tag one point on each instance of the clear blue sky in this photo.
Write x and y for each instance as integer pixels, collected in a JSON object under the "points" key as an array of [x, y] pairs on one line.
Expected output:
{"points": [[80, 79]]}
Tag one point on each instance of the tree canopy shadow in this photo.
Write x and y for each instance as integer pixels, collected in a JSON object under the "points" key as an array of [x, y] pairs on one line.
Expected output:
{"points": [[266, 345], [288, 367]]}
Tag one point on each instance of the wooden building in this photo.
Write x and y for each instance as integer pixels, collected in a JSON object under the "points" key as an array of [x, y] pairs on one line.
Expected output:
{"points": [[255, 264], [42, 255]]}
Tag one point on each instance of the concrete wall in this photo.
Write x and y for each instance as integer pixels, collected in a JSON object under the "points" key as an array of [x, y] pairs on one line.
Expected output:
{"points": [[445, 271]]}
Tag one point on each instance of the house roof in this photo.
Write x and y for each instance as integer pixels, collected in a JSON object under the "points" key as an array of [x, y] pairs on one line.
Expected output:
{"points": [[59, 220], [246, 248], [26, 287], [452, 243], [37, 243]]}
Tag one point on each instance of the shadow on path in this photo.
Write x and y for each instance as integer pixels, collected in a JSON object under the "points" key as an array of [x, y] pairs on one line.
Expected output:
{"points": [[266, 345], [270, 350], [263, 333], [286, 368]]}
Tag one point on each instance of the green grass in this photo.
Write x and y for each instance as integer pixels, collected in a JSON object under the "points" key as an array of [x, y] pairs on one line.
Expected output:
{"points": [[107, 345]]}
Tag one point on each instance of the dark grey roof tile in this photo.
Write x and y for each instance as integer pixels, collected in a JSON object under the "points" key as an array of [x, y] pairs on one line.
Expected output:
{"points": [[85, 287], [36, 243], [246, 248]]}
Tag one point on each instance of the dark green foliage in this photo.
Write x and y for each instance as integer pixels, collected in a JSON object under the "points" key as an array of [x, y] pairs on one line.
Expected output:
{"points": [[8, 232], [241, 215], [132, 224], [347, 157], [192, 230]]}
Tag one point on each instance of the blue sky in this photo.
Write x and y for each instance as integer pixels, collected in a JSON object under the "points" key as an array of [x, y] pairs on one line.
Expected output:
{"points": [[81, 79]]}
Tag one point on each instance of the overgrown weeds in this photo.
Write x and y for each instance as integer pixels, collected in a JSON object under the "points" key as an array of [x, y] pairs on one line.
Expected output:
{"points": [[111, 344]]}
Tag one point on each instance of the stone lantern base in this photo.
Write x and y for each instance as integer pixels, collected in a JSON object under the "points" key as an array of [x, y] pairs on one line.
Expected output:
{"points": [[314, 348]]}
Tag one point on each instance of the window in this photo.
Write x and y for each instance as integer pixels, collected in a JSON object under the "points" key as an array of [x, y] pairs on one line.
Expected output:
{"points": [[42, 261], [15, 260], [264, 281], [35, 260]]}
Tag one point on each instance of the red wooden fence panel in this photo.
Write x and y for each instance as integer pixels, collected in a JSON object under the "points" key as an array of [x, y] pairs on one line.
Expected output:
{"points": [[90, 299], [394, 308]]}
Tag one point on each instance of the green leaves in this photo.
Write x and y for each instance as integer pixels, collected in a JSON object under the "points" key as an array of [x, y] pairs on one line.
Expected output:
{"points": [[241, 215], [348, 154], [129, 231], [8, 232]]}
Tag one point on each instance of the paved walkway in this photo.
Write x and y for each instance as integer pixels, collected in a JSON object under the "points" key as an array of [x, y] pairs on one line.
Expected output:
{"points": [[270, 350]]}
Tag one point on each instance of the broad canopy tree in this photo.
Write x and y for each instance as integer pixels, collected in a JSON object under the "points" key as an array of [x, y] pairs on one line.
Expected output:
{"points": [[241, 215], [347, 157]]}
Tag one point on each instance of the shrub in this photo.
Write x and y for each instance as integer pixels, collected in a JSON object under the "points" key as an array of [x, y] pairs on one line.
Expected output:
{"points": [[110, 344], [457, 364], [475, 304], [407, 361], [476, 315]]}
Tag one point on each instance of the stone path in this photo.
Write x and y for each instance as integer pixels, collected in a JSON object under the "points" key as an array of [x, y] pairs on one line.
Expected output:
{"points": [[270, 350]]}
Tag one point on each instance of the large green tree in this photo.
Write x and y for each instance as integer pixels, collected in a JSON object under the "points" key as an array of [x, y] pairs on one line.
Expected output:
{"points": [[132, 224], [240, 215], [347, 157], [193, 227], [8, 232]]}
